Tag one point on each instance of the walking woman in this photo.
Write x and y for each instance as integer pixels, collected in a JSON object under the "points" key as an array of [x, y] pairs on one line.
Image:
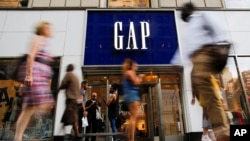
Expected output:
{"points": [[36, 75], [131, 81]]}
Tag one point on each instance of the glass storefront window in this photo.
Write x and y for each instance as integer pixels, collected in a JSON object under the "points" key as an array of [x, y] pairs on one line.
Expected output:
{"points": [[128, 3], [232, 94], [41, 123], [245, 72]]}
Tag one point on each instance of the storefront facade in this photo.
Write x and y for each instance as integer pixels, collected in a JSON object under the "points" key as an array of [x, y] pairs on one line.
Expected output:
{"points": [[97, 42]]}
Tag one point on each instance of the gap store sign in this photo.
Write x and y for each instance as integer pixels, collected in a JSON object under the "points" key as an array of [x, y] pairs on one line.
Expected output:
{"points": [[148, 37]]}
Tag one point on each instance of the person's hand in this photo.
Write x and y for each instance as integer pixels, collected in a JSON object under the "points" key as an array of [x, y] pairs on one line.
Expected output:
{"points": [[141, 75], [193, 101], [28, 80], [85, 113]]}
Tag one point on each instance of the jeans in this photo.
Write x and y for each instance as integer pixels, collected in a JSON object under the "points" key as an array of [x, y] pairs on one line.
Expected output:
{"points": [[113, 126]]}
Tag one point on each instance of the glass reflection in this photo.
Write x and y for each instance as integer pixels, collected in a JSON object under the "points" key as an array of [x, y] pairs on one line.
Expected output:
{"points": [[245, 72], [233, 94]]}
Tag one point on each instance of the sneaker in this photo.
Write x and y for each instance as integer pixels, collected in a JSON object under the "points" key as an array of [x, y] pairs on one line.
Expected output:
{"points": [[205, 138], [211, 135]]}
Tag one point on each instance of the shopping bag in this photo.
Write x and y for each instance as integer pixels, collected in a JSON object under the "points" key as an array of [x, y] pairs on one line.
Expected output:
{"points": [[85, 122], [98, 113]]}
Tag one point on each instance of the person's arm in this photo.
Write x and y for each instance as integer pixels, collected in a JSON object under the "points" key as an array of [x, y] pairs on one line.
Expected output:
{"points": [[136, 79], [62, 86], [88, 105], [112, 98], [30, 59], [83, 106]]}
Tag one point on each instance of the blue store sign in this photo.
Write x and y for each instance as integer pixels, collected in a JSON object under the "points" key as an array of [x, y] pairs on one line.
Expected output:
{"points": [[149, 37]]}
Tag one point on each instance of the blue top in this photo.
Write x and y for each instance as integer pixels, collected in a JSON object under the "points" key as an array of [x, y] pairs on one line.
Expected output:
{"points": [[128, 85], [130, 91]]}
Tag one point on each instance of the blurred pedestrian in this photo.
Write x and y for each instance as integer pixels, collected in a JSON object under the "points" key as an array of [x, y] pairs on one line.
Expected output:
{"points": [[131, 81], [71, 85], [91, 106], [202, 35], [113, 107], [36, 74], [82, 112]]}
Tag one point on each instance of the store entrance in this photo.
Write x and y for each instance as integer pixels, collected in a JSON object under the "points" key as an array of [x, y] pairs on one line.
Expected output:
{"points": [[161, 110]]}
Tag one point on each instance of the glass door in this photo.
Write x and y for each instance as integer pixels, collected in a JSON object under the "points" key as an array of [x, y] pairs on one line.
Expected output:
{"points": [[99, 85], [168, 122], [161, 109]]}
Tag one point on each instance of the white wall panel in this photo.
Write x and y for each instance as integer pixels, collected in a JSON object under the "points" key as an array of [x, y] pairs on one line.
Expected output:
{"points": [[181, 2], [73, 3], [154, 4], [213, 3], [41, 3], [14, 44], [103, 3], [57, 43], [241, 42], [238, 20], [57, 3], [167, 3], [3, 16], [28, 22], [75, 30], [58, 19], [90, 3], [199, 3], [194, 114]]}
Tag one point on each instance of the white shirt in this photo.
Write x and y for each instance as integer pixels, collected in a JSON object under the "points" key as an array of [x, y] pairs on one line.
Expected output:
{"points": [[201, 29]]}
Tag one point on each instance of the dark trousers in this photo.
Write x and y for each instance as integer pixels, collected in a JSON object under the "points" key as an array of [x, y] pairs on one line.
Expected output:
{"points": [[80, 115], [92, 128], [205, 88]]}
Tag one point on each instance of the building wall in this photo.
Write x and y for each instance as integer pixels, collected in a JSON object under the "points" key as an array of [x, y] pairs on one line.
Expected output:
{"points": [[68, 43], [103, 3]]}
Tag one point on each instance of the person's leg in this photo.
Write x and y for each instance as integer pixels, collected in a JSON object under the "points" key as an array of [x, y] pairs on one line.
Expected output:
{"points": [[80, 115], [133, 109], [75, 128], [23, 120], [220, 124], [94, 128], [88, 128], [113, 126], [202, 79], [76, 131], [205, 125]]}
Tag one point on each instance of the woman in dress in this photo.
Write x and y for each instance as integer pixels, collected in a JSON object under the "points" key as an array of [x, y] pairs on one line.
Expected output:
{"points": [[36, 74], [131, 81]]}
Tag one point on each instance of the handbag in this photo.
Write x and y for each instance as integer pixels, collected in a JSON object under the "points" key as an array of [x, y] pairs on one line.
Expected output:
{"points": [[220, 56], [85, 122]]}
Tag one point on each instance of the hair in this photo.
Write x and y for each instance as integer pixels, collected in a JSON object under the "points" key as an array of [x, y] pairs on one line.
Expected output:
{"points": [[41, 27], [114, 86], [189, 6], [84, 82], [127, 64], [70, 67]]}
